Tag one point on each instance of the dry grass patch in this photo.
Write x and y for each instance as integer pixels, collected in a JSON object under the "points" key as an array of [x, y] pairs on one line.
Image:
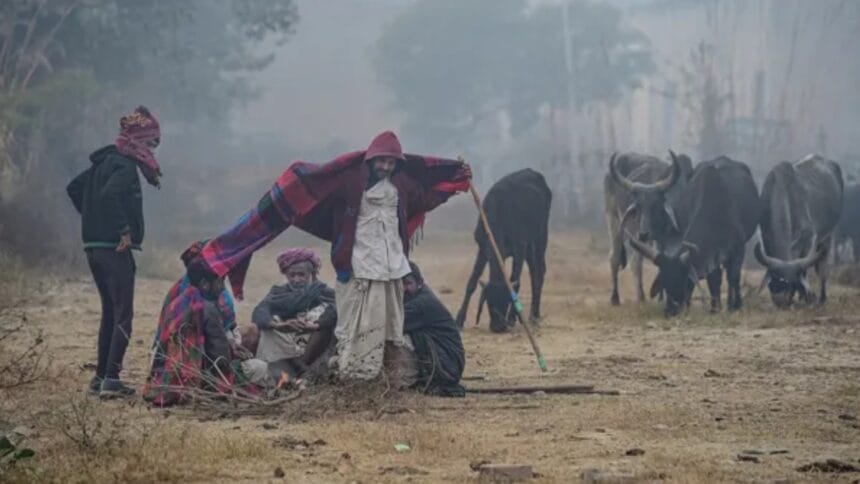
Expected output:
{"points": [[847, 275], [89, 441]]}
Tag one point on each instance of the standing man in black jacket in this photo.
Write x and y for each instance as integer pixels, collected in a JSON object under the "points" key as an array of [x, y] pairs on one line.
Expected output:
{"points": [[109, 199]]}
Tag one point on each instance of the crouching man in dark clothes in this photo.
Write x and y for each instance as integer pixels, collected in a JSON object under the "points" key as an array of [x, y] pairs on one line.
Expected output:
{"points": [[435, 337], [109, 199], [295, 322]]}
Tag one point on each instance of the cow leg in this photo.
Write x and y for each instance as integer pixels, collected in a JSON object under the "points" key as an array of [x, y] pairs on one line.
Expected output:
{"points": [[855, 249], [840, 253], [614, 299], [477, 270], [537, 272], [733, 277], [517, 270], [617, 260], [715, 280], [637, 275], [516, 273], [822, 269]]}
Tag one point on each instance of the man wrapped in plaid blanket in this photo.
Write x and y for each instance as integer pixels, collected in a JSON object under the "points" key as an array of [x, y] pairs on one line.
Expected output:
{"points": [[182, 358]]}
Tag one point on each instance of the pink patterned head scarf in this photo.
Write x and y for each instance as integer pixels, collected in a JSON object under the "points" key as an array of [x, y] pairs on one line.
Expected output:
{"points": [[136, 132], [298, 254], [193, 251]]}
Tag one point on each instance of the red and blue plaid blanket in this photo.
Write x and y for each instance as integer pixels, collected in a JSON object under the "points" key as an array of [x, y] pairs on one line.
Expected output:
{"points": [[179, 358], [324, 200], [225, 305]]}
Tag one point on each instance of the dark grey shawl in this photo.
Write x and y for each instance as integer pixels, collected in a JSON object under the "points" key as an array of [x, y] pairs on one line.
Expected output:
{"points": [[286, 302]]}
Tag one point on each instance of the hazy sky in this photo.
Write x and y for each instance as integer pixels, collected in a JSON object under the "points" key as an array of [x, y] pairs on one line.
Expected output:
{"points": [[321, 86], [322, 89]]}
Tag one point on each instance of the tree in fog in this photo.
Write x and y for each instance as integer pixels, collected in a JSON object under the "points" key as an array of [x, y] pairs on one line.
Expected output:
{"points": [[68, 68], [451, 64], [706, 100]]}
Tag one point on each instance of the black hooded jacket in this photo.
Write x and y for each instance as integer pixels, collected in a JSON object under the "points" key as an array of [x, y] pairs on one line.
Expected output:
{"points": [[109, 199], [438, 346]]}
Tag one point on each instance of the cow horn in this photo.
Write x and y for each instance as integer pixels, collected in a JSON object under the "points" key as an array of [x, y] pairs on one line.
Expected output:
{"points": [[633, 207], [618, 177], [813, 257], [690, 246], [658, 186], [670, 212], [673, 156], [688, 249], [646, 250], [772, 263], [670, 180]]}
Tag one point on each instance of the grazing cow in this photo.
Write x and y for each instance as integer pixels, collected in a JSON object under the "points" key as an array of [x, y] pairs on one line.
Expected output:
{"points": [[716, 214], [848, 229], [802, 204], [517, 208], [635, 193]]}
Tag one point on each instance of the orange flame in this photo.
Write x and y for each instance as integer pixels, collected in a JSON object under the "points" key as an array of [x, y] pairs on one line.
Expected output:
{"points": [[285, 379]]}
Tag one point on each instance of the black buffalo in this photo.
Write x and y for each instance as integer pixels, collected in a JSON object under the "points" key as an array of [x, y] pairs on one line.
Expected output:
{"points": [[801, 203], [716, 214], [638, 191], [517, 207]]}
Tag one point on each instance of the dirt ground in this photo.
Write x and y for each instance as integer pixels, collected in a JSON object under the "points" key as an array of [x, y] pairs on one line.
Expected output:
{"points": [[695, 392]]}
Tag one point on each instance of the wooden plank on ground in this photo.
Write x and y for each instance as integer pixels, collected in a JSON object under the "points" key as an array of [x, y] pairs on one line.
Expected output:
{"points": [[564, 389]]}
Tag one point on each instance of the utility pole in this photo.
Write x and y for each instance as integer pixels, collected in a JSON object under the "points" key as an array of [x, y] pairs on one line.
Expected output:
{"points": [[576, 174]]}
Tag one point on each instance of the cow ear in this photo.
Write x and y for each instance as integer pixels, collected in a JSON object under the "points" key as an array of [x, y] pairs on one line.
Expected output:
{"points": [[656, 288]]}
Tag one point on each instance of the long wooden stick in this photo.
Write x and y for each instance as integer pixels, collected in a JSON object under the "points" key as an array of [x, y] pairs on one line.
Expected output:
{"points": [[581, 389], [518, 306]]}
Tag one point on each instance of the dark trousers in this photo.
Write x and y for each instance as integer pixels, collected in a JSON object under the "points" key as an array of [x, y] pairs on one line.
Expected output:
{"points": [[114, 275]]}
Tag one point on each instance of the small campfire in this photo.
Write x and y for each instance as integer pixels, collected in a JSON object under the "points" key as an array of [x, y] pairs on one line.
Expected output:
{"points": [[285, 381]]}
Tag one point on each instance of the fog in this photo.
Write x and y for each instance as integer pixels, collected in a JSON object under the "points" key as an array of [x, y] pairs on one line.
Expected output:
{"points": [[244, 87], [321, 89]]}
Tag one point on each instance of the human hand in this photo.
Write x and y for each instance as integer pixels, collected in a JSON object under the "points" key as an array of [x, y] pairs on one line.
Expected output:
{"points": [[306, 326], [465, 170], [240, 352], [124, 242], [300, 326], [290, 325]]}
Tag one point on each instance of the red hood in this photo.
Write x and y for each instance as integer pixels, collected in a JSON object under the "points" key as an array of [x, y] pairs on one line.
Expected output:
{"points": [[385, 144]]}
